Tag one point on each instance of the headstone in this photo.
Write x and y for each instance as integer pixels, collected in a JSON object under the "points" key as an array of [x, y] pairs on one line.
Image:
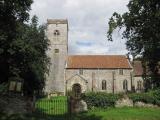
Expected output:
{"points": [[81, 106], [124, 102], [142, 104]]}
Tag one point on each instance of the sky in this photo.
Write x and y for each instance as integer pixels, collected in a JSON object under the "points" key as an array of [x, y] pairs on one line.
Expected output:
{"points": [[88, 23]]}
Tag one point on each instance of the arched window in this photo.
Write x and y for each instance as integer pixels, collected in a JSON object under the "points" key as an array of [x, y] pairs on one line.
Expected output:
{"points": [[139, 85], [56, 32], [125, 85], [104, 85]]}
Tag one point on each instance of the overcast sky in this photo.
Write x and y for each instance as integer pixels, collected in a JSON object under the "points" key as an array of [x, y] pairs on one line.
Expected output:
{"points": [[88, 23]]}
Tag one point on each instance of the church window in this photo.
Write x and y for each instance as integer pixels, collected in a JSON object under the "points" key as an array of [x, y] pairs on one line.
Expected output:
{"points": [[139, 85], [56, 32], [81, 71], [121, 71], [104, 85], [56, 50], [125, 85]]}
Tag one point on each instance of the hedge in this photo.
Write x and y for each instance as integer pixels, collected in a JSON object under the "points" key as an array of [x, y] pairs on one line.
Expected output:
{"points": [[104, 100], [100, 99], [152, 97]]}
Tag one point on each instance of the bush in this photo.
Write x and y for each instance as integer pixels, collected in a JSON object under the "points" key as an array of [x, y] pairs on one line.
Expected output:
{"points": [[100, 99], [152, 97], [156, 95], [3, 88], [105, 100], [141, 97]]}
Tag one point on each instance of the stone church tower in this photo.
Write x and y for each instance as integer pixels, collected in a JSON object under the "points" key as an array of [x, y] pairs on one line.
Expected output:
{"points": [[57, 33]]}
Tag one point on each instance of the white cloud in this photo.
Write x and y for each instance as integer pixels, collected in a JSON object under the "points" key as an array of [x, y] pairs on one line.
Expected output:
{"points": [[88, 21]]}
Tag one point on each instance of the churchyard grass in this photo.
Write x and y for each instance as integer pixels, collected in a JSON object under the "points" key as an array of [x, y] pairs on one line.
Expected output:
{"points": [[52, 106], [126, 113]]}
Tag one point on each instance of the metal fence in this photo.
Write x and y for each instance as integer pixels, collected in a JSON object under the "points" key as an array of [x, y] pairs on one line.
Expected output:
{"points": [[53, 107]]}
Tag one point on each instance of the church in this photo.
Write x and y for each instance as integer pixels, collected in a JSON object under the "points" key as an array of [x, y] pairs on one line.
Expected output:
{"points": [[84, 73]]}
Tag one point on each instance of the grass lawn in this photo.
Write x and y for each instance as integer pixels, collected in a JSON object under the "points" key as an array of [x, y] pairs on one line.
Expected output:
{"points": [[99, 114], [56, 108], [121, 114], [53, 106]]}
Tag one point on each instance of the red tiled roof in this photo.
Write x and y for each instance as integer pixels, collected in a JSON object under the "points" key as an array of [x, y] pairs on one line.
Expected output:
{"points": [[98, 61], [138, 69]]}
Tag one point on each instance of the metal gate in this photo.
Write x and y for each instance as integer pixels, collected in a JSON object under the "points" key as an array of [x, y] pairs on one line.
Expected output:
{"points": [[55, 107]]}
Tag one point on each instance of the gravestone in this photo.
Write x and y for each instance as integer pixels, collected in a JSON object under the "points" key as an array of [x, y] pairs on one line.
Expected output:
{"points": [[124, 102], [81, 106]]}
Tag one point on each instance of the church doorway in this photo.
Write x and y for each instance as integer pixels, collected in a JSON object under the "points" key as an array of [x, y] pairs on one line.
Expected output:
{"points": [[76, 89]]}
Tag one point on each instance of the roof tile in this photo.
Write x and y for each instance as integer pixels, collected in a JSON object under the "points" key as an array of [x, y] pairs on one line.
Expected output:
{"points": [[98, 61]]}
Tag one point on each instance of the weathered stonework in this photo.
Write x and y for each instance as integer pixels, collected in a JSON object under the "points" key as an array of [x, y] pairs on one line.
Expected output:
{"points": [[57, 53], [142, 104], [80, 106], [136, 79], [100, 74], [124, 102], [61, 79]]}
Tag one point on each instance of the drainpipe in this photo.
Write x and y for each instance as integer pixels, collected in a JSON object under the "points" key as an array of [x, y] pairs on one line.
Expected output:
{"points": [[92, 81], [131, 81], [98, 80], [65, 82], [113, 76]]}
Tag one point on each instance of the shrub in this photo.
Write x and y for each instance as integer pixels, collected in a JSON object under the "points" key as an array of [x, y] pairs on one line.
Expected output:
{"points": [[143, 97], [3, 88], [105, 100], [152, 97], [156, 95], [100, 99]]}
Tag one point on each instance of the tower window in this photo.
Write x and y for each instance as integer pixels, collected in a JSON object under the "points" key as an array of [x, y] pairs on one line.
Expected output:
{"points": [[56, 50], [56, 32]]}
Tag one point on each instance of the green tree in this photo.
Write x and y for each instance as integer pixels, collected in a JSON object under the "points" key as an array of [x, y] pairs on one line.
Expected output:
{"points": [[12, 13], [22, 46], [33, 53], [142, 33]]}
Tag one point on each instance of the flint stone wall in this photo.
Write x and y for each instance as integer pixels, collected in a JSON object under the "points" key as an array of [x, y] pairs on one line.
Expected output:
{"points": [[16, 104]]}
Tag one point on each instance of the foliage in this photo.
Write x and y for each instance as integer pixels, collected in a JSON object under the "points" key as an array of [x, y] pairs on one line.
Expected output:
{"points": [[156, 95], [3, 88], [101, 99], [142, 97], [152, 97], [105, 100], [22, 46], [33, 46], [12, 13], [141, 30]]}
